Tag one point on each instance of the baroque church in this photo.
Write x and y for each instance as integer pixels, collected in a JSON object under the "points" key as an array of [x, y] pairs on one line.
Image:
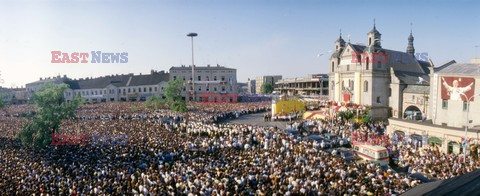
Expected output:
{"points": [[369, 75]]}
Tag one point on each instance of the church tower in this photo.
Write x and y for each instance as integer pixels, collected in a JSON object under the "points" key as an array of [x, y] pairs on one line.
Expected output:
{"points": [[410, 48], [340, 43], [374, 37]]}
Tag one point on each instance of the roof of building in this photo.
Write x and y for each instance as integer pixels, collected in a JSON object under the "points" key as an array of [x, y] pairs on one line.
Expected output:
{"points": [[201, 68], [467, 184], [418, 89], [460, 68], [119, 81]]}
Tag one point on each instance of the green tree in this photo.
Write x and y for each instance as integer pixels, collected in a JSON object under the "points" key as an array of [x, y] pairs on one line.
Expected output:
{"points": [[266, 88], [155, 102], [51, 110], [347, 115], [173, 97]]}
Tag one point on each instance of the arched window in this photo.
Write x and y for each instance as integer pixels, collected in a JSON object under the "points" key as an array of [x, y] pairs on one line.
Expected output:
{"points": [[366, 65], [365, 86], [367, 62], [369, 41], [333, 66]]}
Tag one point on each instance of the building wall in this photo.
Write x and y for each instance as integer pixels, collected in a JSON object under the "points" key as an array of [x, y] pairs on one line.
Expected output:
{"points": [[214, 73], [260, 80], [448, 135], [454, 114]]}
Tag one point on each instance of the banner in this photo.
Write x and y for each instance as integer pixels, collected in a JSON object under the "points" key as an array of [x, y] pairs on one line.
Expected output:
{"points": [[458, 88]]}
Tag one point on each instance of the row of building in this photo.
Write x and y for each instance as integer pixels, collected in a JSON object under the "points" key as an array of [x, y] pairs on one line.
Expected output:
{"points": [[130, 87]]}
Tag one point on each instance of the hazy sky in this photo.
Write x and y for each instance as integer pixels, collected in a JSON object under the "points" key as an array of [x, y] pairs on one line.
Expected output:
{"points": [[256, 37]]}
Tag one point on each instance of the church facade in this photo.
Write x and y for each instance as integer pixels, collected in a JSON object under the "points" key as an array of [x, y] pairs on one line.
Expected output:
{"points": [[371, 75]]}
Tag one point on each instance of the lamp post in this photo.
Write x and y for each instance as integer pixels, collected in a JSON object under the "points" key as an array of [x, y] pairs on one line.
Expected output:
{"points": [[193, 65], [466, 126]]}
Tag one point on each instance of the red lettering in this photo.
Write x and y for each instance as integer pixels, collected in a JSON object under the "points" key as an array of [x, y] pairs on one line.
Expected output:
{"points": [[355, 56], [364, 57], [75, 58], [225, 98], [55, 139], [84, 57], [206, 97], [375, 57], [55, 55], [385, 57], [234, 98], [65, 58]]}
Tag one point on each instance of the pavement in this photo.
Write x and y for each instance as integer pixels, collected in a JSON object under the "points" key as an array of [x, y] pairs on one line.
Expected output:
{"points": [[257, 119]]}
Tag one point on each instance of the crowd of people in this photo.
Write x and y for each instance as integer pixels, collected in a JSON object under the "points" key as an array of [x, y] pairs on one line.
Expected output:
{"points": [[195, 153]]}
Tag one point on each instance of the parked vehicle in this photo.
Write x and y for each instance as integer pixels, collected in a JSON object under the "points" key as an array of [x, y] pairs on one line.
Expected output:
{"points": [[377, 154], [345, 153]]}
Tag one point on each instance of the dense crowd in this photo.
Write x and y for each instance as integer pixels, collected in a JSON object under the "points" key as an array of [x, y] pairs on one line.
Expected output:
{"points": [[170, 153]]}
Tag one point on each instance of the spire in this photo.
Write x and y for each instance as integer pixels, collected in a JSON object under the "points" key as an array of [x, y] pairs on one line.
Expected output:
{"points": [[374, 37], [340, 43], [410, 48]]}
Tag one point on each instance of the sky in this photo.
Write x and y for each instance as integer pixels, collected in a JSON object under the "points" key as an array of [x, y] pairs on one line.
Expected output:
{"points": [[257, 37]]}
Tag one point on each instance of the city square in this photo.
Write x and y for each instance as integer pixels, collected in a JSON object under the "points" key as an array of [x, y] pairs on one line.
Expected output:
{"points": [[239, 98]]}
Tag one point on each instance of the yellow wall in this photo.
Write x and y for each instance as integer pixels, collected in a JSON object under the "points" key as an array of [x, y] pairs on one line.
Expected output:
{"points": [[288, 106]]}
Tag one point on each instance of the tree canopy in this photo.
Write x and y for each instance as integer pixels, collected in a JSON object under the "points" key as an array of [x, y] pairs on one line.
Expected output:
{"points": [[266, 88], [51, 110], [173, 98]]}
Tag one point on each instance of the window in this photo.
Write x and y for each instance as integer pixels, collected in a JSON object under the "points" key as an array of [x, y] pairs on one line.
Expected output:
{"points": [[174, 77], [348, 67], [389, 92], [366, 66], [365, 86], [150, 89], [199, 88], [378, 99], [343, 85], [214, 78], [134, 90], [215, 89], [333, 66], [128, 90], [465, 106], [139, 90], [223, 78], [199, 78], [369, 41], [332, 85], [156, 89], [223, 88], [444, 104], [145, 89], [208, 79], [367, 63]]}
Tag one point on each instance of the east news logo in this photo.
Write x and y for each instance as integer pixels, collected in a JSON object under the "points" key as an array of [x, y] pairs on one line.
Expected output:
{"points": [[97, 57]]}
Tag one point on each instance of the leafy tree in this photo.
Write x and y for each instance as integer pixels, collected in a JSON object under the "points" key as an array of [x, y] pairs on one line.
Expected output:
{"points": [[3, 103], [51, 110], [155, 102], [366, 119], [266, 88], [347, 115], [173, 97]]}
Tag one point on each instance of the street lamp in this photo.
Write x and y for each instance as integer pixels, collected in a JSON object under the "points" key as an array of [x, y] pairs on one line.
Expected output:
{"points": [[193, 65], [466, 126]]}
